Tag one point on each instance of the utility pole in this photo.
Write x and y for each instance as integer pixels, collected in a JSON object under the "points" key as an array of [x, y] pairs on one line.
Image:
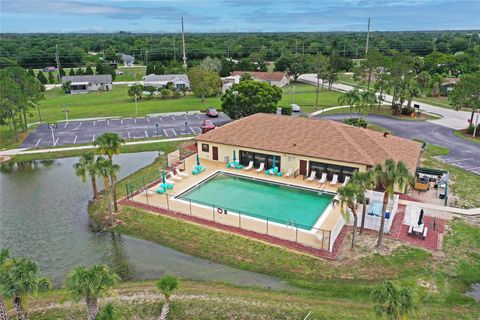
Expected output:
{"points": [[174, 49], [146, 57], [344, 47], [296, 47], [183, 44], [57, 58], [368, 36]]}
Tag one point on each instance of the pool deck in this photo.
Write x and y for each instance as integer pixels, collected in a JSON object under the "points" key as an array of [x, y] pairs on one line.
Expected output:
{"points": [[328, 223]]}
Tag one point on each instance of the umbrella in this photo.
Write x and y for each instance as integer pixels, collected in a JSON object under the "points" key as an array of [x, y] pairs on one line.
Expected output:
{"points": [[198, 160], [234, 156], [420, 218], [164, 179]]}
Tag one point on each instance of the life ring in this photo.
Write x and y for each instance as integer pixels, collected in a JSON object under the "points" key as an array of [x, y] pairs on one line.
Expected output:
{"points": [[220, 210]]}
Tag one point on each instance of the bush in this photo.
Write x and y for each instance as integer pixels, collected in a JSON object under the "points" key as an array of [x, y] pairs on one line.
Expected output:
{"points": [[357, 122], [287, 110], [407, 111], [470, 130]]}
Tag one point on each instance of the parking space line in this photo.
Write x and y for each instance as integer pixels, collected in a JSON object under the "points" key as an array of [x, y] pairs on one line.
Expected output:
{"points": [[148, 119], [94, 122], [38, 142], [160, 118], [196, 130], [80, 124], [121, 121], [108, 122], [146, 134], [93, 138], [185, 116], [173, 117], [66, 123], [196, 114], [56, 141], [128, 132], [75, 141], [135, 120]]}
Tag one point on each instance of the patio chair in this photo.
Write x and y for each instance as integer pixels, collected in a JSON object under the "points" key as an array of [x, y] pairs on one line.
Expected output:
{"points": [[312, 176], [334, 179], [424, 235], [180, 173], [260, 169], [347, 178], [289, 173], [410, 230], [174, 177], [249, 167], [323, 178]]}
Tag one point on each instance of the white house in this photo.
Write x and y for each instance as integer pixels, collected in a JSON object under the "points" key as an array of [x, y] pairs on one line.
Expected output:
{"points": [[159, 81], [279, 79], [88, 83]]}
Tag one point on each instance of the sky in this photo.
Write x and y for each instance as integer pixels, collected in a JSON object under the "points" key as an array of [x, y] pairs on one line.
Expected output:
{"points": [[163, 16]]}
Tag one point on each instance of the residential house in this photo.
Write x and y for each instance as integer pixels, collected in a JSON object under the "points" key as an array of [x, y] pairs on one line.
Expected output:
{"points": [[88, 83], [279, 79], [159, 81], [447, 86]]}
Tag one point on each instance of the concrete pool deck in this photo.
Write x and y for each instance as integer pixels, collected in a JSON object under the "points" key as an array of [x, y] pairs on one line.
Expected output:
{"points": [[319, 237]]}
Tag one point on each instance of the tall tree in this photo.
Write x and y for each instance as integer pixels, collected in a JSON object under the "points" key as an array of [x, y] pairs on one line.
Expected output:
{"points": [[365, 181], [373, 60], [367, 101], [466, 94], [90, 283], [349, 196], [167, 284], [89, 70], [51, 78], [135, 91], [249, 97], [319, 66], [392, 302], [350, 98], [109, 144], [87, 165], [71, 72], [387, 177], [380, 85], [19, 279], [107, 170], [204, 83], [211, 64], [41, 77]]}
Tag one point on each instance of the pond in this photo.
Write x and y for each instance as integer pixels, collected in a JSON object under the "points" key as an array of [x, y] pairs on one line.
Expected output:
{"points": [[43, 216]]}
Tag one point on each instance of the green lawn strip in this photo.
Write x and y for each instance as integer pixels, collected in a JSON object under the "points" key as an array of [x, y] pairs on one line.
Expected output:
{"points": [[463, 183], [154, 146], [305, 94], [466, 136], [386, 111], [376, 127], [7, 138]]}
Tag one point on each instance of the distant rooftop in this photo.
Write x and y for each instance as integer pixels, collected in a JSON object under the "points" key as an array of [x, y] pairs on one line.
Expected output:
{"points": [[98, 78]]}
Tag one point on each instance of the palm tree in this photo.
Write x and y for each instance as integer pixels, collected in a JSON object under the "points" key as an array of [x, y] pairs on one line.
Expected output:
{"points": [[365, 181], [412, 89], [380, 86], [109, 144], [4, 255], [19, 278], [90, 284], [351, 98], [435, 83], [87, 164], [387, 177], [391, 301], [167, 284], [349, 196], [108, 171], [367, 100]]}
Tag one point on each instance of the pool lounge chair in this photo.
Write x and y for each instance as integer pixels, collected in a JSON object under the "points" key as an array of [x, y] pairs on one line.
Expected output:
{"points": [[249, 167], [260, 169], [198, 169], [312, 176], [334, 179], [180, 173], [272, 171], [323, 179], [347, 178], [174, 177], [289, 173]]}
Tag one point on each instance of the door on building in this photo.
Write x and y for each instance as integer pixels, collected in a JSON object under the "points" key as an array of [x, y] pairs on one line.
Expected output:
{"points": [[303, 167], [215, 153]]}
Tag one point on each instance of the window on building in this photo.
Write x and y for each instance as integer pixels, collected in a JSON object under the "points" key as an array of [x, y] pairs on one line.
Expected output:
{"points": [[205, 147], [331, 169]]}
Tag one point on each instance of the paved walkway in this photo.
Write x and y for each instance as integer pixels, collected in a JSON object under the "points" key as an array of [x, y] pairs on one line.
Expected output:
{"points": [[451, 118]]}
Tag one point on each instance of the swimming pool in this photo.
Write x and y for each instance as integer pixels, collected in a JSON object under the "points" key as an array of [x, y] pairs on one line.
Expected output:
{"points": [[278, 203]]}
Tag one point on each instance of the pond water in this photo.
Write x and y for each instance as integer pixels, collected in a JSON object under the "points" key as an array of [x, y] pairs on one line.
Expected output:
{"points": [[43, 216]]}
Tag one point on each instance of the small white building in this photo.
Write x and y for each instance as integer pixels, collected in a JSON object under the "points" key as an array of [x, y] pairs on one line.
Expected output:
{"points": [[279, 79], [88, 83], [160, 81]]}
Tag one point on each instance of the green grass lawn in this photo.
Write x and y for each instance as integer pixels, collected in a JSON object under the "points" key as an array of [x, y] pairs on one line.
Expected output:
{"points": [[462, 134], [304, 95], [385, 110]]}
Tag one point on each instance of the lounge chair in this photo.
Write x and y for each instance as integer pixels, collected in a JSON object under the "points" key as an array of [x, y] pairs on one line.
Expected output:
{"points": [[410, 230], [249, 167], [312, 176], [198, 169], [347, 178], [174, 177], [260, 169], [424, 235], [289, 173], [180, 173], [323, 179], [272, 171], [334, 179]]}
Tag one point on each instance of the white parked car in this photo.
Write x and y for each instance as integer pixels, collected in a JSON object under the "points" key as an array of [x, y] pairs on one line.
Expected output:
{"points": [[295, 107]]}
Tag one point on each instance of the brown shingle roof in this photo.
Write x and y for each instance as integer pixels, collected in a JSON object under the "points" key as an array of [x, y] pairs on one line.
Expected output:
{"points": [[323, 139], [265, 76]]}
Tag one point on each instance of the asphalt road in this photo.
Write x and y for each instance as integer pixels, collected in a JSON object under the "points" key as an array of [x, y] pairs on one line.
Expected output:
{"points": [[80, 132], [463, 153]]}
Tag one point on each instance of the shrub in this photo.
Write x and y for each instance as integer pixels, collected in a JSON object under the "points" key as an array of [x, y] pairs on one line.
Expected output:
{"points": [[407, 111], [287, 110], [357, 122], [176, 94], [470, 130]]}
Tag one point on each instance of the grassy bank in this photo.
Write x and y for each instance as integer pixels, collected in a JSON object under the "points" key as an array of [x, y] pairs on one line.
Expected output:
{"points": [[467, 136], [348, 280], [463, 183]]}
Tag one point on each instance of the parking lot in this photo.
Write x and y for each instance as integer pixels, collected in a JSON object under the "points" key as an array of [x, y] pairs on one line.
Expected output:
{"points": [[84, 132]]}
